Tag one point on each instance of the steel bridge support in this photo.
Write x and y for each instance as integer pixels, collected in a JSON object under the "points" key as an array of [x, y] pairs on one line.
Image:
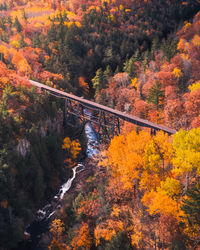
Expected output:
{"points": [[107, 125]]}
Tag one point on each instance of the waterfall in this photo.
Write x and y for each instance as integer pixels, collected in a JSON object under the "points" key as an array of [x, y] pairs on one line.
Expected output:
{"points": [[44, 214]]}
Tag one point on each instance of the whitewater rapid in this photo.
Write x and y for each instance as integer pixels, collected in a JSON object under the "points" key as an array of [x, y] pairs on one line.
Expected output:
{"points": [[50, 209]]}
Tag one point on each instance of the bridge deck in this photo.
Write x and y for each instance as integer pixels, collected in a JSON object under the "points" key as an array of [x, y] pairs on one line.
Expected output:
{"points": [[129, 118]]}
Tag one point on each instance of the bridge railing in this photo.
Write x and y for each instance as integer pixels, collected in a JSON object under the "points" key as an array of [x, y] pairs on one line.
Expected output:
{"points": [[93, 105]]}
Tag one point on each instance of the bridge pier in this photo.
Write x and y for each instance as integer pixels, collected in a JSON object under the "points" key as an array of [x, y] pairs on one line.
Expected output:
{"points": [[153, 132], [86, 104], [107, 126]]}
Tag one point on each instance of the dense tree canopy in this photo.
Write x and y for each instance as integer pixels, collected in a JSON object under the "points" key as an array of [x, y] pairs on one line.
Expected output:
{"points": [[140, 57]]}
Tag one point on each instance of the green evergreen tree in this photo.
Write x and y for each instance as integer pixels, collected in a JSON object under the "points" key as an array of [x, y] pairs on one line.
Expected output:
{"points": [[145, 59], [191, 205], [129, 66], [5, 7], [9, 20], [21, 41], [156, 95], [154, 45], [36, 41], [17, 25], [51, 35], [106, 76], [118, 242], [98, 81], [24, 16]]}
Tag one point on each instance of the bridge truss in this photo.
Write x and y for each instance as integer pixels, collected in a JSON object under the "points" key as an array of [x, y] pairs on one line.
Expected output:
{"points": [[104, 118]]}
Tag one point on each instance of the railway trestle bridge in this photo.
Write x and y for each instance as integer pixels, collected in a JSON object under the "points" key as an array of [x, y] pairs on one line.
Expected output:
{"points": [[106, 119]]}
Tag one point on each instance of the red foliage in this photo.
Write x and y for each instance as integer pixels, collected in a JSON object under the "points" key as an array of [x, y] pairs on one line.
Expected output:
{"points": [[90, 207], [166, 78], [174, 112], [196, 122], [192, 104], [116, 193], [171, 92]]}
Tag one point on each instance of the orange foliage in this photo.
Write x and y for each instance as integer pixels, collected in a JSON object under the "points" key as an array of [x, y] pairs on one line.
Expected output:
{"points": [[21, 64], [83, 238], [57, 228], [84, 85], [127, 163], [89, 207], [160, 203], [107, 230]]}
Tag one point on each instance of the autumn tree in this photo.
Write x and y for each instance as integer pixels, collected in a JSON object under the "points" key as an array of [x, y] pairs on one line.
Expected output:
{"points": [[83, 238], [191, 208], [156, 95], [17, 25], [97, 81], [186, 158], [127, 164], [158, 155], [72, 149], [57, 229]]}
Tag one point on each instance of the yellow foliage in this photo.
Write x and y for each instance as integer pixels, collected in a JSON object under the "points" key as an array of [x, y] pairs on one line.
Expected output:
{"points": [[15, 44], [182, 45], [134, 82], [177, 72], [158, 202], [196, 40], [121, 7], [194, 86], [75, 148], [185, 56], [78, 24], [158, 153], [66, 143], [72, 146], [68, 24], [16, 13], [116, 211], [187, 25], [170, 186], [186, 151], [127, 162]]}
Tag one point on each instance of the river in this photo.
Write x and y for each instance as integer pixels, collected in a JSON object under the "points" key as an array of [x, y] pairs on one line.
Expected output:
{"points": [[43, 216]]}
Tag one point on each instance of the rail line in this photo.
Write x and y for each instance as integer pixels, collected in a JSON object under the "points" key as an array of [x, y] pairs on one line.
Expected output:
{"points": [[90, 104]]}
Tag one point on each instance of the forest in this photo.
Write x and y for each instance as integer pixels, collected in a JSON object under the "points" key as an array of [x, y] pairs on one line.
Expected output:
{"points": [[141, 57]]}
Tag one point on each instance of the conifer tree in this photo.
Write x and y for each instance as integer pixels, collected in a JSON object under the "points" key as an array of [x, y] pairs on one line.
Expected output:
{"points": [[156, 94], [191, 205], [17, 25], [97, 81]]}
